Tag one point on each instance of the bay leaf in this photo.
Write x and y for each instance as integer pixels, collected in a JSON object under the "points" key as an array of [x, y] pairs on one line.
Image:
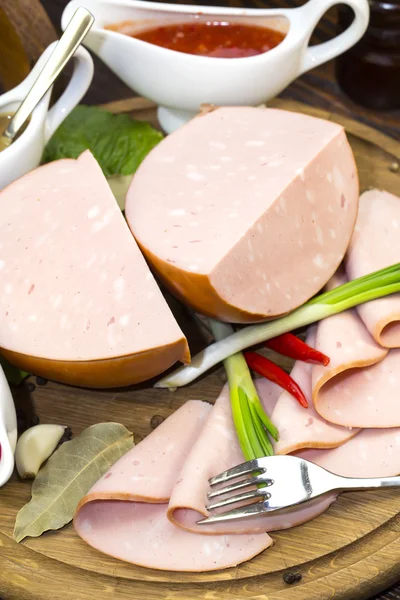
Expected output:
{"points": [[68, 475]]}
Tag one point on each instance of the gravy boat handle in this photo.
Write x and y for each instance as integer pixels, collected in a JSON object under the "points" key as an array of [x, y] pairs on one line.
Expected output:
{"points": [[77, 87], [75, 90], [307, 18]]}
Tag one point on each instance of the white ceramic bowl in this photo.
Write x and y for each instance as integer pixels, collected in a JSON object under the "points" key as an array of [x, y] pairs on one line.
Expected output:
{"points": [[180, 83], [8, 430], [25, 153]]}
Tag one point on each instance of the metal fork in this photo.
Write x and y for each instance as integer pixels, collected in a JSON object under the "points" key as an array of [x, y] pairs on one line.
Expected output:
{"points": [[278, 483]]}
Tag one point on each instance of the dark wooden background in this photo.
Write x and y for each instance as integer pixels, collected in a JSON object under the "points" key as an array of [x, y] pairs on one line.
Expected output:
{"points": [[317, 88]]}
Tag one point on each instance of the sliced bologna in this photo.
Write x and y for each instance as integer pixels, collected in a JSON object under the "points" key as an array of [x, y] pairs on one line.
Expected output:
{"points": [[363, 397], [376, 244], [78, 303], [371, 453], [124, 514], [299, 428], [166, 447], [245, 213], [216, 450], [360, 386]]}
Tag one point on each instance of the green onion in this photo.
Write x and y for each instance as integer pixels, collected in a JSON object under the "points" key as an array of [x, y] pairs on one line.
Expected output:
{"points": [[364, 289], [251, 422]]}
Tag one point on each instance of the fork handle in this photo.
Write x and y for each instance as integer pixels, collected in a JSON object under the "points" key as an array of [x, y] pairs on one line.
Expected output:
{"points": [[372, 483]]}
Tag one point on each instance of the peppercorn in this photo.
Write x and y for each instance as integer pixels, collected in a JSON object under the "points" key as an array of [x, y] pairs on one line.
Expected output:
{"points": [[291, 578], [156, 420]]}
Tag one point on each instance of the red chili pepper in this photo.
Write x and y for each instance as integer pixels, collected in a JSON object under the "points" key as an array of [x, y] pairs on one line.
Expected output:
{"points": [[268, 369], [290, 345]]}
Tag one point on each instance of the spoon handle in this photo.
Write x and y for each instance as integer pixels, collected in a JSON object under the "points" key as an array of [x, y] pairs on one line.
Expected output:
{"points": [[73, 35]]}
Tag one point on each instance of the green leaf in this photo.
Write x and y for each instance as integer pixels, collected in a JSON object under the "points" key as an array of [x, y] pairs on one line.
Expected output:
{"points": [[13, 374], [68, 475], [118, 142]]}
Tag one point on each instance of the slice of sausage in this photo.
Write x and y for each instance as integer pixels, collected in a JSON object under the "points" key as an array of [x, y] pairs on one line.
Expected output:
{"points": [[164, 450], [245, 213], [371, 453], [124, 514], [78, 303], [376, 244], [299, 428], [215, 450], [359, 386], [357, 396]]}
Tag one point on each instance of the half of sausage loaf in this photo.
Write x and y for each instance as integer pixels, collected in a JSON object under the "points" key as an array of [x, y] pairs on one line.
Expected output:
{"points": [[245, 213], [78, 303]]}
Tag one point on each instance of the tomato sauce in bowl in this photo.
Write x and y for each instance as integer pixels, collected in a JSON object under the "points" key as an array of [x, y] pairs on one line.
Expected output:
{"points": [[218, 39]]}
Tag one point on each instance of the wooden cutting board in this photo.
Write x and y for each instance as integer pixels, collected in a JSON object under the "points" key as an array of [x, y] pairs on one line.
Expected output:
{"points": [[352, 551]]}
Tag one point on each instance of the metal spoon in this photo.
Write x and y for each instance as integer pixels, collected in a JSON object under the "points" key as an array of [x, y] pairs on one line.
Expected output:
{"points": [[73, 35]]}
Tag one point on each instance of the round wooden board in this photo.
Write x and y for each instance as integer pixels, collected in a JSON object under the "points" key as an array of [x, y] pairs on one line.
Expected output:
{"points": [[351, 551]]}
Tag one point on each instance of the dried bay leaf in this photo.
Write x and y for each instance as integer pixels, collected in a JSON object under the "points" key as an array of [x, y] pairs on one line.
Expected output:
{"points": [[68, 475]]}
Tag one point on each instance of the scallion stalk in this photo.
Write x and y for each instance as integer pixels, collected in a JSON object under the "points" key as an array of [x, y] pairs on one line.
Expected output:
{"points": [[364, 289], [251, 422]]}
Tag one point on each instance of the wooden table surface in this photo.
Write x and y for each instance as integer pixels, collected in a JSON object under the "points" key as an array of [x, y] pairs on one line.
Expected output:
{"points": [[317, 88]]}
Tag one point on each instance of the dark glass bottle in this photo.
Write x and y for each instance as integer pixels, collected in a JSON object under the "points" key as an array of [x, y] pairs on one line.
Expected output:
{"points": [[369, 73]]}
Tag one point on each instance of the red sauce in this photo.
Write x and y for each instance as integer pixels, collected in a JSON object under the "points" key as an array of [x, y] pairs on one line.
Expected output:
{"points": [[219, 39]]}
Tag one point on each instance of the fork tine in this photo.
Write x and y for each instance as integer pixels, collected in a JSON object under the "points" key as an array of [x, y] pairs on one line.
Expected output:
{"points": [[234, 486], [257, 508], [258, 493], [242, 469]]}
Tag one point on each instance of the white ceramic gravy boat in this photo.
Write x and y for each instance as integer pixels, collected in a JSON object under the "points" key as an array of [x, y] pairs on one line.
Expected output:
{"points": [[8, 430], [180, 83], [25, 152]]}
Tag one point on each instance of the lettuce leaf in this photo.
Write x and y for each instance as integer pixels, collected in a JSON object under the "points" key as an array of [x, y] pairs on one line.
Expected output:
{"points": [[118, 142]]}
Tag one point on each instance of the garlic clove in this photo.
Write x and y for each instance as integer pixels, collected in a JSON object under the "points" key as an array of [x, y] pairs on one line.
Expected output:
{"points": [[35, 446]]}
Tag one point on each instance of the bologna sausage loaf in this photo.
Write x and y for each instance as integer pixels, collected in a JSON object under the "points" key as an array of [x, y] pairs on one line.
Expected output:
{"points": [[78, 303], [245, 213]]}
